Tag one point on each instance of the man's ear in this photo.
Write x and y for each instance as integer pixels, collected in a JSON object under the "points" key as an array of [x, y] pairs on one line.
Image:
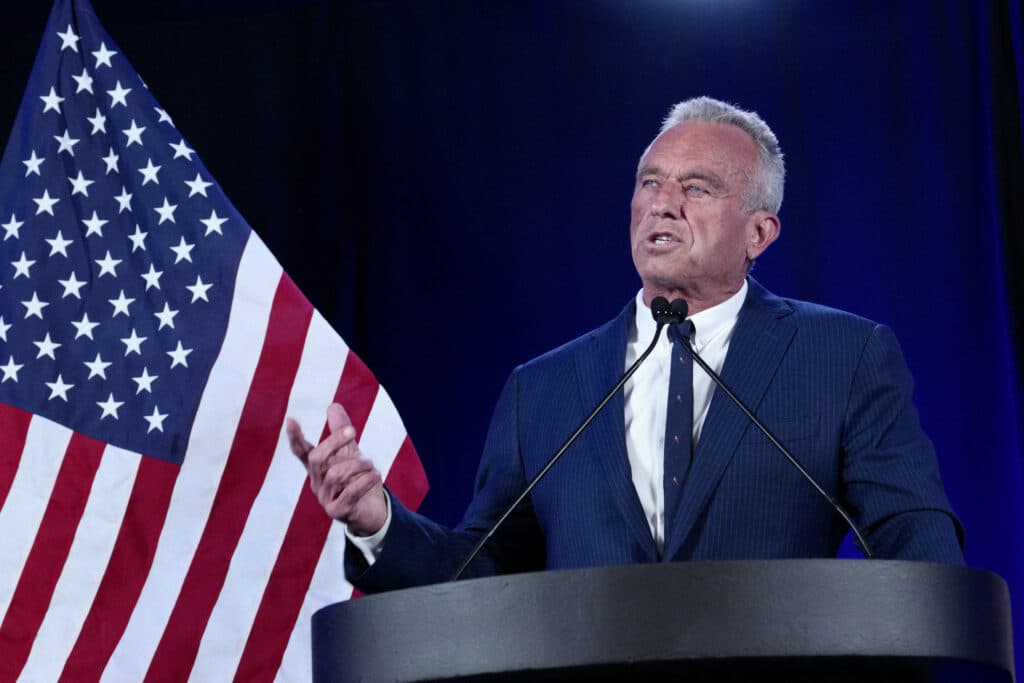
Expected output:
{"points": [[764, 229]]}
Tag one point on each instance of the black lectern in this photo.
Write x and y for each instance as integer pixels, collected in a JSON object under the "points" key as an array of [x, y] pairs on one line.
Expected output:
{"points": [[779, 620]]}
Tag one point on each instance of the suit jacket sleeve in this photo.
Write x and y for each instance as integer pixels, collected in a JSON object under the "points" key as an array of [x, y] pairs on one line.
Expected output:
{"points": [[418, 551], [890, 471]]}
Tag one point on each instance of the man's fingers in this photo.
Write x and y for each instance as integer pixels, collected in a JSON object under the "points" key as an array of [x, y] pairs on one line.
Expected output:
{"points": [[337, 418], [341, 471], [297, 441], [339, 476], [345, 503], [340, 445]]}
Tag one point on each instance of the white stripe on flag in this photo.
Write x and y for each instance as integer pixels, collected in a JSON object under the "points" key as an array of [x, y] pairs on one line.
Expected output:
{"points": [[212, 435], [22, 512], [316, 381], [327, 587], [87, 560], [383, 434]]}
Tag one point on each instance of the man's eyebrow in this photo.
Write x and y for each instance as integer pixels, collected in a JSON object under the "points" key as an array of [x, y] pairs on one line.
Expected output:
{"points": [[649, 171], [699, 173], [708, 176]]}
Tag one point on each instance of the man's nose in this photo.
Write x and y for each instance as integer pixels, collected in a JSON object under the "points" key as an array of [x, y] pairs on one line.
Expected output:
{"points": [[668, 201]]}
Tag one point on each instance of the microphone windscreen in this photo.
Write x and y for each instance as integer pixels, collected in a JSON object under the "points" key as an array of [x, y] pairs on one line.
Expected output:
{"points": [[679, 310], [661, 310]]}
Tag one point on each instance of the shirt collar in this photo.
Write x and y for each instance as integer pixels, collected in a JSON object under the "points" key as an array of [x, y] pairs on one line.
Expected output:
{"points": [[708, 324]]}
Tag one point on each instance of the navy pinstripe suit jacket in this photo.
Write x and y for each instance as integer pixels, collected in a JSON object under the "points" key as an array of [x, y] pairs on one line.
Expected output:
{"points": [[831, 386]]}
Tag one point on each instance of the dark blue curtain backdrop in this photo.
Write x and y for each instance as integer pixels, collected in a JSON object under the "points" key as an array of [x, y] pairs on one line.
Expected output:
{"points": [[449, 183]]}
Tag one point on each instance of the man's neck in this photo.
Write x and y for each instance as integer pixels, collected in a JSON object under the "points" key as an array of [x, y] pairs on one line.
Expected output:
{"points": [[697, 299]]}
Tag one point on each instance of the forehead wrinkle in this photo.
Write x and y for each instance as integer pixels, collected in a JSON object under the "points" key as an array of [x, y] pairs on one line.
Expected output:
{"points": [[736, 163], [696, 173]]}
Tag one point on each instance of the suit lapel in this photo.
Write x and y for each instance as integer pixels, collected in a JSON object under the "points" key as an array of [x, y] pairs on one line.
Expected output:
{"points": [[763, 333], [599, 366]]}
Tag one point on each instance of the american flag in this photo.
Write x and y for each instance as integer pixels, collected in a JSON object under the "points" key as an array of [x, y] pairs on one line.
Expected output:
{"points": [[153, 523]]}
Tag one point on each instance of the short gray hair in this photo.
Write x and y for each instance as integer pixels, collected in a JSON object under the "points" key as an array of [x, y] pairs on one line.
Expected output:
{"points": [[764, 187]]}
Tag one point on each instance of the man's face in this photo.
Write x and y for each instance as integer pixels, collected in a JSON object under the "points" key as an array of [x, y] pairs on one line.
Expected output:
{"points": [[690, 235]]}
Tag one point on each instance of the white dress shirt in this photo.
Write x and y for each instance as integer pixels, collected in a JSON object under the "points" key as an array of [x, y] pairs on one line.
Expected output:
{"points": [[646, 396]]}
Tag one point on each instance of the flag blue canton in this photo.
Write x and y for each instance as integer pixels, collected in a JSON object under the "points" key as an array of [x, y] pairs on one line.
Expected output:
{"points": [[118, 253]]}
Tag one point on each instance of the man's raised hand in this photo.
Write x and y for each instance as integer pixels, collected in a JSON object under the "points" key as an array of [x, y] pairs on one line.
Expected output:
{"points": [[348, 486]]}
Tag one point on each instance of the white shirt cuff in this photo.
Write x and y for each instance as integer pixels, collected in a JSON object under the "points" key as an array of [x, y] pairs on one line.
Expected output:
{"points": [[372, 546]]}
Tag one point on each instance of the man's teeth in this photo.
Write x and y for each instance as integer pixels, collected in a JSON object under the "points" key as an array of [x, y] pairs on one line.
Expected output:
{"points": [[662, 239]]}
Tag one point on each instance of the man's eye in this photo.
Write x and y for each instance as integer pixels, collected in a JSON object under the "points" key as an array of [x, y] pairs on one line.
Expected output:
{"points": [[649, 182], [694, 190]]}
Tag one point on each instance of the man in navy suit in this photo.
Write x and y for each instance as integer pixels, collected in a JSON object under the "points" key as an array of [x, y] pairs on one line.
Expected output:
{"points": [[672, 470]]}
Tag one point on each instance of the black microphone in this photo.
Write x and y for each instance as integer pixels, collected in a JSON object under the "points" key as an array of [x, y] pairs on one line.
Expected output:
{"points": [[771, 437], [664, 314]]}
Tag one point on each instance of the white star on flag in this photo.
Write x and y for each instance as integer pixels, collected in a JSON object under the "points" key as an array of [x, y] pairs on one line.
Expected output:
{"points": [[84, 81], [119, 95], [45, 203], [11, 228], [134, 134], [58, 389], [33, 164], [67, 143], [72, 286], [214, 223], [110, 407], [155, 420], [181, 150], [46, 347], [58, 245], [199, 290], [179, 356], [108, 265], [97, 367], [149, 172], [137, 239], [68, 39], [80, 185], [103, 56], [84, 327], [94, 225], [111, 161], [152, 277], [133, 343], [121, 304], [145, 381], [34, 307], [124, 200], [197, 186], [11, 369], [166, 212], [51, 101], [21, 266]]}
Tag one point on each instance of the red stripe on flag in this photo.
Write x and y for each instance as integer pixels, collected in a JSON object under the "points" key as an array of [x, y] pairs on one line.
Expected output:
{"points": [[246, 467], [49, 553], [14, 426], [307, 532], [406, 478], [357, 391], [130, 562], [286, 590]]}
